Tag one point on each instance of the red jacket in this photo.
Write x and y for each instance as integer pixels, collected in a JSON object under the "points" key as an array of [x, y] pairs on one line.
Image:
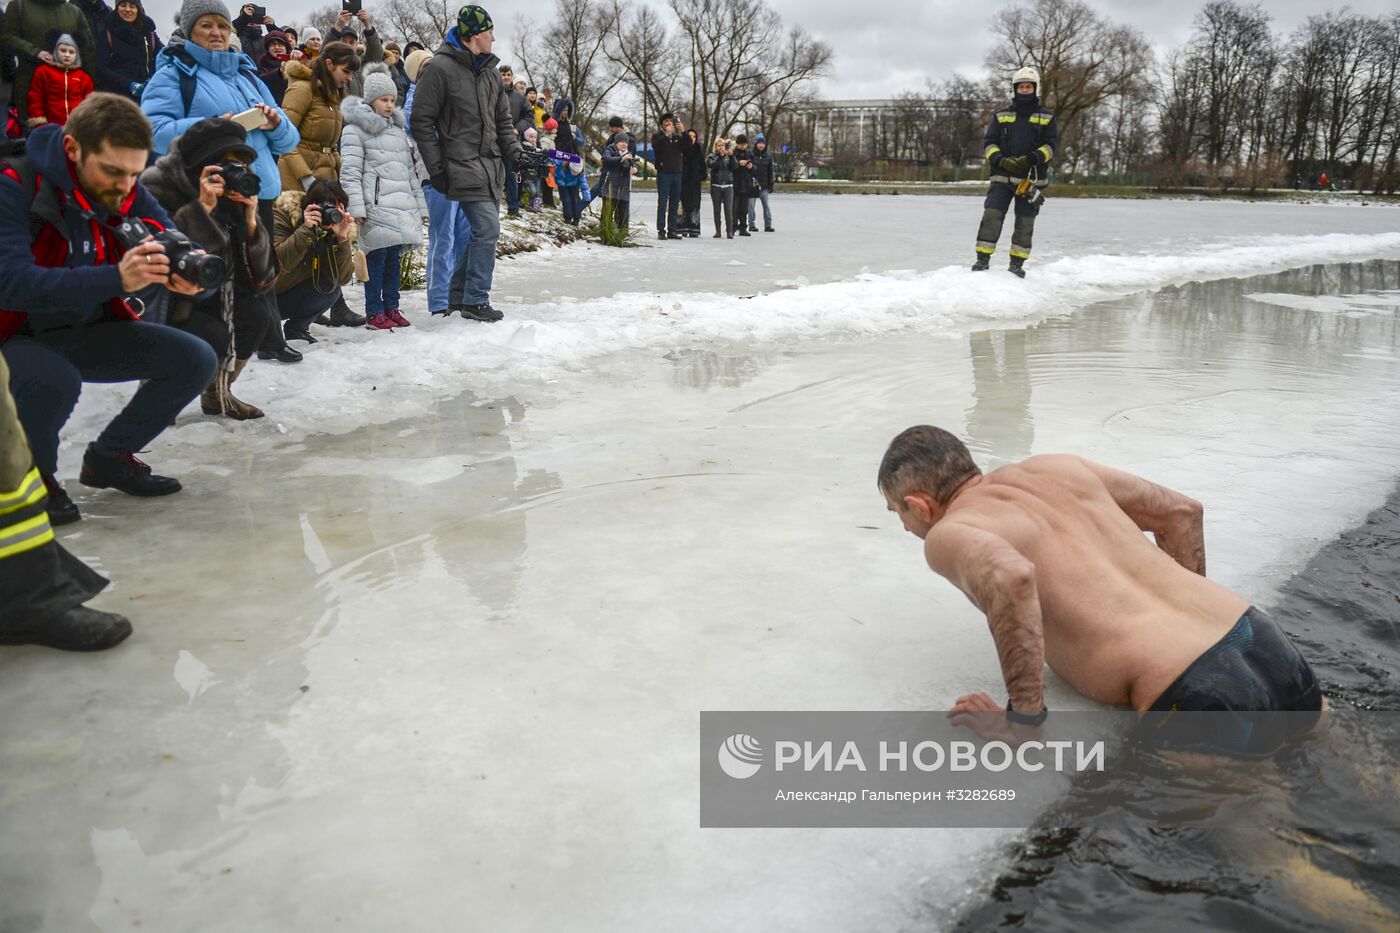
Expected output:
{"points": [[54, 92]]}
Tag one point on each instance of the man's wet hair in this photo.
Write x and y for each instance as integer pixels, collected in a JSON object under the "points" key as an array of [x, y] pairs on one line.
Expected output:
{"points": [[926, 459]]}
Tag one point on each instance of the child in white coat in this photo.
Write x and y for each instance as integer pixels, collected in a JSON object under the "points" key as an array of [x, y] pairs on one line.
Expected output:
{"points": [[376, 170]]}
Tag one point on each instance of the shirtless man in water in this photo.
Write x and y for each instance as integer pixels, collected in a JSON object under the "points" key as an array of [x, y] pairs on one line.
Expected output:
{"points": [[1052, 550]]}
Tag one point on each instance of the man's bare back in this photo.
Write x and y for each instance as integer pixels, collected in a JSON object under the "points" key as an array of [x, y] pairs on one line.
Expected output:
{"points": [[1052, 550], [1122, 618]]}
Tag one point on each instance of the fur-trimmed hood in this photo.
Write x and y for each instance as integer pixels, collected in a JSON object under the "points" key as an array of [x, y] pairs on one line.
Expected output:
{"points": [[290, 202], [359, 114], [296, 69]]}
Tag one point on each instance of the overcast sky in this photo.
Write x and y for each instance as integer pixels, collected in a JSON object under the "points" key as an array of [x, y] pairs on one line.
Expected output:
{"points": [[885, 47]]}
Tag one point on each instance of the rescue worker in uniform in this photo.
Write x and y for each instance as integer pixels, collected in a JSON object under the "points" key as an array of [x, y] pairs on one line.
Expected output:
{"points": [[1019, 144]]}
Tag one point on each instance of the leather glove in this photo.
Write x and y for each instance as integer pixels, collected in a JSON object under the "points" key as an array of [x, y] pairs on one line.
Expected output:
{"points": [[1039, 159], [1016, 166], [439, 182], [996, 160]]}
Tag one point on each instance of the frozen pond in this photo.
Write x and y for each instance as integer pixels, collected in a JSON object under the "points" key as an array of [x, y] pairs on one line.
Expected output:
{"points": [[431, 655]]}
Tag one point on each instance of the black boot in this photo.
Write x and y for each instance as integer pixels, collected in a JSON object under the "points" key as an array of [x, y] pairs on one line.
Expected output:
{"points": [[342, 316], [61, 509], [78, 629], [482, 312], [1015, 268], [281, 355], [983, 263], [291, 333], [323, 320], [124, 472]]}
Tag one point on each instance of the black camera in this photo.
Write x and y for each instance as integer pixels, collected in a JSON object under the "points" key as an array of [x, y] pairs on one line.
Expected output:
{"points": [[533, 163], [204, 270], [330, 214], [240, 179]]}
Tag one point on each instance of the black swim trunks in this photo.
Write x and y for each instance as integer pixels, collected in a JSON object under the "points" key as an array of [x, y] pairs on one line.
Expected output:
{"points": [[1257, 686]]}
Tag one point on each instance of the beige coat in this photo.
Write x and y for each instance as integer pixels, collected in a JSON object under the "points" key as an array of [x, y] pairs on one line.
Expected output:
{"points": [[320, 124]]}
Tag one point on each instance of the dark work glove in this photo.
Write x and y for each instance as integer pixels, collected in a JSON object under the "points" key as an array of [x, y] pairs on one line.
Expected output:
{"points": [[1038, 157], [995, 161], [439, 182], [1016, 166]]}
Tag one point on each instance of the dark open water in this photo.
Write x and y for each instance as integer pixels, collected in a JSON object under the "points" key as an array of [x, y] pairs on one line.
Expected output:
{"points": [[1305, 842]]}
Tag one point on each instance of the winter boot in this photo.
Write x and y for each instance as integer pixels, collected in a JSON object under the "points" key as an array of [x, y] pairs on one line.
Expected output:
{"points": [[61, 509], [482, 312], [342, 316], [78, 629], [1016, 267], [123, 472], [983, 263], [398, 318], [218, 399]]}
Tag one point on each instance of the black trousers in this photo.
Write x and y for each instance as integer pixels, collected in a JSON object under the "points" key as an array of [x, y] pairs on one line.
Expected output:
{"points": [[741, 206], [722, 198]]}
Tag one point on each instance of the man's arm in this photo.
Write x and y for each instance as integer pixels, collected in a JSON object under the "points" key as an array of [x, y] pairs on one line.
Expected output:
{"points": [[1001, 582], [422, 123], [506, 137], [35, 289], [1177, 521]]}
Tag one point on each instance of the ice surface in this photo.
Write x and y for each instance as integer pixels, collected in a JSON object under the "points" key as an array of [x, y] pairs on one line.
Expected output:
{"points": [[434, 658]]}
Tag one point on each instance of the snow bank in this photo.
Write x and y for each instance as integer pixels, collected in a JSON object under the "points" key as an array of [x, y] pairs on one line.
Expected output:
{"points": [[354, 377]]}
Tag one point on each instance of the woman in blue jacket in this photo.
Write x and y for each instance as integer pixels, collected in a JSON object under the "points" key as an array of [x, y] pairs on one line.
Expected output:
{"points": [[199, 78]]}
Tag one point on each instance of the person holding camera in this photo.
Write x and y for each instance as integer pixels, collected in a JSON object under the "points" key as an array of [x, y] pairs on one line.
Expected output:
{"points": [[615, 184], [721, 167], [313, 241], [249, 26], [461, 123], [65, 278], [668, 149], [204, 181], [744, 184]]}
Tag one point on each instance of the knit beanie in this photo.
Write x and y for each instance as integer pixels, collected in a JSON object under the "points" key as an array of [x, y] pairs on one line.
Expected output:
{"points": [[377, 84], [192, 10], [473, 20], [415, 62], [310, 33], [67, 40]]}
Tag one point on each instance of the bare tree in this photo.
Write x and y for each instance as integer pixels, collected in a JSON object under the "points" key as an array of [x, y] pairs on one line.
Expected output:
{"points": [[646, 56], [421, 21], [738, 52], [1083, 59], [570, 55], [323, 18]]}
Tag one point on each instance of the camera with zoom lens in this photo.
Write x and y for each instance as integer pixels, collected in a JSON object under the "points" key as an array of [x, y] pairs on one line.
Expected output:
{"points": [[204, 270], [330, 214], [239, 178], [533, 163]]}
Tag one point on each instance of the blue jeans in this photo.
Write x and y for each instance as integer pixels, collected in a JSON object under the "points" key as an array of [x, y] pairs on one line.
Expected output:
{"points": [[47, 375], [448, 231], [668, 192], [382, 289], [471, 279], [571, 200], [753, 209], [512, 187]]}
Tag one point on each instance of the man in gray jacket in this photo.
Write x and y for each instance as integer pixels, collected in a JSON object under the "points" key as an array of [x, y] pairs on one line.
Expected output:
{"points": [[461, 122]]}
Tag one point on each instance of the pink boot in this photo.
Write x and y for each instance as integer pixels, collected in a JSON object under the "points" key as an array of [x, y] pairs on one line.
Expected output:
{"points": [[398, 319], [380, 322]]}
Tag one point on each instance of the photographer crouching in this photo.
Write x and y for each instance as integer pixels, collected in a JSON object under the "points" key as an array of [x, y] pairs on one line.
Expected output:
{"points": [[65, 279], [206, 183], [312, 238]]}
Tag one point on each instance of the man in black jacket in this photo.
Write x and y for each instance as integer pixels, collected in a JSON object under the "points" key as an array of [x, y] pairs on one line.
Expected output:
{"points": [[763, 173], [668, 149], [461, 123], [1019, 144], [743, 182], [515, 106]]}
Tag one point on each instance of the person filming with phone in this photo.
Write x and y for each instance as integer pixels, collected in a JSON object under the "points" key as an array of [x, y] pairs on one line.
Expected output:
{"points": [[66, 277]]}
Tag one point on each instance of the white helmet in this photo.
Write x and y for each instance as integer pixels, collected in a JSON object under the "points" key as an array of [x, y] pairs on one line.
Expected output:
{"points": [[1025, 74]]}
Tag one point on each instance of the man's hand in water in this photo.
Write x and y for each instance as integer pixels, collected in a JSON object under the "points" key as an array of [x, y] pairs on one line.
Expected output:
{"points": [[987, 718]]}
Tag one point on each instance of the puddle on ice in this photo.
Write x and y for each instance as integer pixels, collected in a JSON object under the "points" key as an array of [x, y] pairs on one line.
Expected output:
{"points": [[372, 688]]}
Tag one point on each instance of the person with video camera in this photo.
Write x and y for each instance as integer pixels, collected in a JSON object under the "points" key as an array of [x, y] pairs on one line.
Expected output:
{"points": [[206, 183], [64, 280], [461, 123], [313, 241]]}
